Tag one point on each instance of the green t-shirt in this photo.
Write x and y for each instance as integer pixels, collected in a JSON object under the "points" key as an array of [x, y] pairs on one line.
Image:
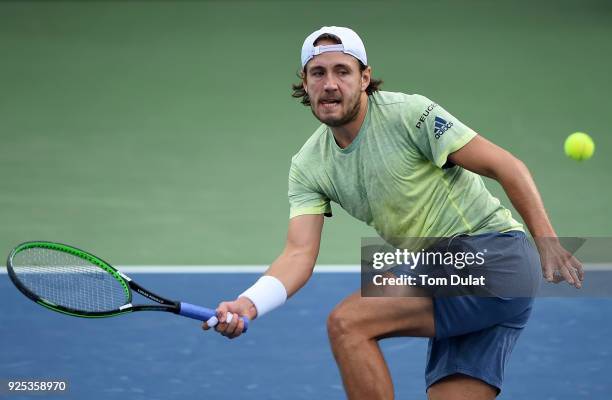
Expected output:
{"points": [[395, 175]]}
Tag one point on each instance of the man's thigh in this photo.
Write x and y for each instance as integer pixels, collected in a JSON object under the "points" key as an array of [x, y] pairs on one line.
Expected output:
{"points": [[461, 387], [380, 317]]}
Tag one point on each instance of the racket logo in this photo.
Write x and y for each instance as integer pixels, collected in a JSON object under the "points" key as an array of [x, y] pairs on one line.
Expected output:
{"points": [[149, 295]]}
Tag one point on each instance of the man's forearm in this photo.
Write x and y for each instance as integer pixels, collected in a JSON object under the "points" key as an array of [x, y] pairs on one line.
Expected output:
{"points": [[293, 269], [523, 193]]}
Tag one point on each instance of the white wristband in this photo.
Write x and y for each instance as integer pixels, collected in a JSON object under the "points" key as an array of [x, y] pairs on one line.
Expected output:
{"points": [[266, 294]]}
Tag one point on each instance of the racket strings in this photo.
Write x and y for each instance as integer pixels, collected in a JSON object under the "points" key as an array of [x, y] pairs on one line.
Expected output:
{"points": [[68, 281]]}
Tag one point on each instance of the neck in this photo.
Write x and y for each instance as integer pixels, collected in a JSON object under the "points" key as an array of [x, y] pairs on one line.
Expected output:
{"points": [[346, 133]]}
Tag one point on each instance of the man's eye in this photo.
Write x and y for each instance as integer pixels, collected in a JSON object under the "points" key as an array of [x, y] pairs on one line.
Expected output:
{"points": [[343, 72], [317, 73]]}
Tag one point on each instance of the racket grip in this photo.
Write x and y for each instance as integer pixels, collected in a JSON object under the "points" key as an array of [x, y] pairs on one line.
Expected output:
{"points": [[203, 314]]}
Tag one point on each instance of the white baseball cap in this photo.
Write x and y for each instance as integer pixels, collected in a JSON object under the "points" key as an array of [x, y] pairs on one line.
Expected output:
{"points": [[351, 44]]}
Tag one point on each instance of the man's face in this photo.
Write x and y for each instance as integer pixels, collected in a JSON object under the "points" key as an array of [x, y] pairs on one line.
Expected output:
{"points": [[335, 84]]}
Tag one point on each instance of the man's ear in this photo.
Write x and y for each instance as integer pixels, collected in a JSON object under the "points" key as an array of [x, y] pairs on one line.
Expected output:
{"points": [[303, 76], [366, 75]]}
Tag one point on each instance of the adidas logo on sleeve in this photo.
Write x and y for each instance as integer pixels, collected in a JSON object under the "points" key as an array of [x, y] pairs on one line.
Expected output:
{"points": [[441, 126]]}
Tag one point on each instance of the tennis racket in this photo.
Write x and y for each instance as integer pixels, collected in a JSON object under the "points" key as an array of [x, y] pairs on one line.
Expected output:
{"points": [[71, 281]]}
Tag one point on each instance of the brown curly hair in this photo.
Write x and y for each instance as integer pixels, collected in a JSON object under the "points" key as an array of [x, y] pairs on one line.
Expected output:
{"points": [[298, 88]]}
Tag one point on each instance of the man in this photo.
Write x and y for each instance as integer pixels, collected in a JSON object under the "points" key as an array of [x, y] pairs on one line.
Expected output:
{"points": [[405, 166]]}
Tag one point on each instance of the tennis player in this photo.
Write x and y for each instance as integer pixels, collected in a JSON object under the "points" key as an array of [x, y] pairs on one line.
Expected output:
{"points": [[405, 166]]}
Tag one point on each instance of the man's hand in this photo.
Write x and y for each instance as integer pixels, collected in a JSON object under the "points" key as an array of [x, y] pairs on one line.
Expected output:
{"points": [[558, 264], [230, 324]]}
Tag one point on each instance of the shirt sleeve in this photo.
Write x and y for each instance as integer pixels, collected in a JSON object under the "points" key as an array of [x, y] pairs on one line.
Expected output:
{"points": [[435, 132], [304, 197]]}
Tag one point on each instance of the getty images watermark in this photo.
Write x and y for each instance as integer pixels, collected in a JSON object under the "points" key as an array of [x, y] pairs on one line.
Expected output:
{"points": [[491, 265]]}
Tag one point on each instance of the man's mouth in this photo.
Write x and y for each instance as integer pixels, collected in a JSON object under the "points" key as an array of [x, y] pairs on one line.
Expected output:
{"points": [[329, 103]]}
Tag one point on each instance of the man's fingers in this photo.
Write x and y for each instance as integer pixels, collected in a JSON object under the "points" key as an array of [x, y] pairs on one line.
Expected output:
{"points": [[225, 326], [558, 264], [221, 315], [574, 275], [558, 278], [568, 273], [559, 274], [237, 331], [211, 323], [548, 273], [231, 329], [239, 328], [565, 272], [569, 264], [232, 321], [575, 269], [226, 322], [223, 307], [579, 268]]}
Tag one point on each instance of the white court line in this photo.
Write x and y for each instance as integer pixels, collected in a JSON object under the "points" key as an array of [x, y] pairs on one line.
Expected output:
{"points": [[219, 269], [254, 269], [226, 269]]}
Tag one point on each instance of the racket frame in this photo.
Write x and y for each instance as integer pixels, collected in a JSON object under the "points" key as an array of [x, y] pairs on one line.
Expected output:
{"points": [[128, 284]]}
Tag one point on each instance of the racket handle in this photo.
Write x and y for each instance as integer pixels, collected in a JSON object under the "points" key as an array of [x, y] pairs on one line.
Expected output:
{"points": [[203, 313]]}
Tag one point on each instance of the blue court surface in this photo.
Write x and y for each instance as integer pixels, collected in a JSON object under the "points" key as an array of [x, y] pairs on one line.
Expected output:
{"points": [[564, 353]]}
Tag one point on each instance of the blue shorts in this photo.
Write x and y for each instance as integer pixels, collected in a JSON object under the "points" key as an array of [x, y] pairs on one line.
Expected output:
{"points": [[476, 334]]}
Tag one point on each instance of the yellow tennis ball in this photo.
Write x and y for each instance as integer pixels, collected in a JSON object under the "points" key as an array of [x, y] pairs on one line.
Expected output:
{"points": [[579, 146]]}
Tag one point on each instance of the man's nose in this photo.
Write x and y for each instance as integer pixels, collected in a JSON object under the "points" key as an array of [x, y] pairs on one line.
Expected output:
{"points": [[330, 83]]}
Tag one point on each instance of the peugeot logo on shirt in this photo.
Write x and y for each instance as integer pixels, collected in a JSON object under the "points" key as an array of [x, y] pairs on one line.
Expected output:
{"points": [[425, 114]]}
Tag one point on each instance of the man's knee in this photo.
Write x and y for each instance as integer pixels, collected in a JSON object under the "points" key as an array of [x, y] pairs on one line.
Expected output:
{"points": [[340, 323]]}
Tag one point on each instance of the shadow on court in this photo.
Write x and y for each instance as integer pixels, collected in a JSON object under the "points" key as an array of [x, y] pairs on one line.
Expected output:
{"points": [[563, 354]]}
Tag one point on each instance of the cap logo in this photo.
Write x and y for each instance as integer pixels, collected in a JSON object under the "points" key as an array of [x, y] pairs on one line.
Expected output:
{"points": [[326, 48]]}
